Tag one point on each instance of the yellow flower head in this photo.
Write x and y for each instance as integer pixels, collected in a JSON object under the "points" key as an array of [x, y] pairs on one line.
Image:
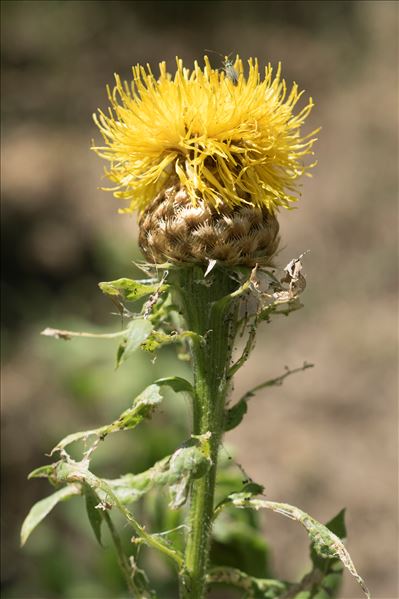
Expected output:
{"points": [[230, 138]]}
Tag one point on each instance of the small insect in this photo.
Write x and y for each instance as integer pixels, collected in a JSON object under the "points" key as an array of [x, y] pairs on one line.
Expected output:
{"points": [[230, 71], [228, 67], [104, 506]]}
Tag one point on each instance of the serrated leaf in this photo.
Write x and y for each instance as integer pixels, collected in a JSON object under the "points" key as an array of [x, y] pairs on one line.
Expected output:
{"points": [[42, 508], [93, 512], [129, 289], [136, 333], [142, 407], [176, 383]]}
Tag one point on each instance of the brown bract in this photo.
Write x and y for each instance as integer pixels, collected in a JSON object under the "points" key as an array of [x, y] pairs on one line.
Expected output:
{"points": [[173, 229]]}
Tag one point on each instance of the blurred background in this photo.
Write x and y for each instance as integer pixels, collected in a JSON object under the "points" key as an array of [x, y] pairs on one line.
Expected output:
{"points": [[327, 438]]}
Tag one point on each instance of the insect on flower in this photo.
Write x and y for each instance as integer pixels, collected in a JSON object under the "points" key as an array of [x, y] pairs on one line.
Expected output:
{"points": [[230, 71], [228, 67]]}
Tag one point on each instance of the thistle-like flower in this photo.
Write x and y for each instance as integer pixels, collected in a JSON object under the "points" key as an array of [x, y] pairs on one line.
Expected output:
{"points": [[206, 161]]}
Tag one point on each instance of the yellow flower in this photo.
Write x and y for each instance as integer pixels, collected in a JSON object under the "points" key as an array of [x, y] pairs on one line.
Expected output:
{"points": [[229, 141]]}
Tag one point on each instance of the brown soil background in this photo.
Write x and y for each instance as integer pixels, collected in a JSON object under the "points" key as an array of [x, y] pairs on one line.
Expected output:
{"points": [[328, 437]]}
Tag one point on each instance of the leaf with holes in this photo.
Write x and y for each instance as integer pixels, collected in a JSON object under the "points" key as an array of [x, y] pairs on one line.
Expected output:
{"points": [[129, 289], [137, 332]]}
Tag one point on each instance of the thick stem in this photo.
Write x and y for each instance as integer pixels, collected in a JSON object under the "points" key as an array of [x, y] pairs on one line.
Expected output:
{"points": [[216, 322]]}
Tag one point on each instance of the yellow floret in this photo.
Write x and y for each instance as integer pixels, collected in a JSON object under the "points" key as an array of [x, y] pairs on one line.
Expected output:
{"points": [[227, 142]]}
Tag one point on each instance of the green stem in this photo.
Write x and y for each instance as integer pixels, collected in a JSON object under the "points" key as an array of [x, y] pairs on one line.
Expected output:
{"points": [[216, 323], [122, 559]]}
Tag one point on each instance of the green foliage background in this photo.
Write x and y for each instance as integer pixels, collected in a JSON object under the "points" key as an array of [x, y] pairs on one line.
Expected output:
{"points": [[327, 439]]}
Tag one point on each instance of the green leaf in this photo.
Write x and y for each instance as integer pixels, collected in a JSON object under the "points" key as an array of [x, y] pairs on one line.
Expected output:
{"points": [[73, 437], [93, 511], [42, 472], [69, 471], [255, 588], [237, 538], [235, 415], [239, 569], [42, 508], [158, 339], [131, 487], [238, 542], [225, 301], [137, 332], [326, 544], [142, 407], [317, 585], [251, 489], [248, 491], [187, 464], [337, 525], [331, 569], [175, 471], [129, 289], [176, 383]]}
